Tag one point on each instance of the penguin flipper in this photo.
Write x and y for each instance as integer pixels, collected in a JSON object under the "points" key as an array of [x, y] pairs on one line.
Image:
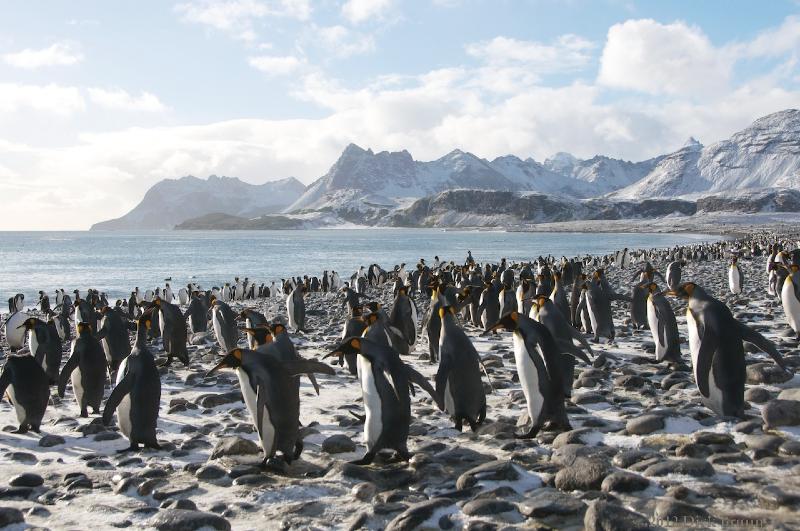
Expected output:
{"points": [[303, 366], [568, 348], [753, 337], [5, 381], [580, 339], [66, 372], [123, 388], [416, 378], [442, 374]]}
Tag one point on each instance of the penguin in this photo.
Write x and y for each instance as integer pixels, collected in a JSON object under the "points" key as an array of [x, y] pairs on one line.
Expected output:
{"points": [[14, 330], [790, 297], [404, 316], [547, 313], [735, 276], [167, 294], [507, 299], [270, 392], [44, 303], [354, 326], [458, 380], [113, 336], [183, 296], [282, 348], [525, 293], [663, 326], [173, 331], [85, 313], [559, 295], [252, 319], [224, 324], [674, 271], [433, 324], [259, 337], [45, 346], [545, 374], [296, 308], [489, 306], [598, 307], [385, 385], [638, 308], [16, 303], [86, 366], [715, 342], [28, 390], [469, 299], [197, 313], [137, 394]]}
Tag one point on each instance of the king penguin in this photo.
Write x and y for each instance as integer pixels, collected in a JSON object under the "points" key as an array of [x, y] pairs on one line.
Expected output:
{"points": [[385, 385], [113, 336], [663, 326], [545, 374], [137, 394], [790, 297], [735, 277], [224, 324], [86, 366], [715, 342], [28, 391], [296, 308], [45, 345], [270, 392], [458, 380]]}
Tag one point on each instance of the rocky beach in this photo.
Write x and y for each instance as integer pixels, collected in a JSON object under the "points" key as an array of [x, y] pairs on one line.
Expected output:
{"points": [[643, 451]]}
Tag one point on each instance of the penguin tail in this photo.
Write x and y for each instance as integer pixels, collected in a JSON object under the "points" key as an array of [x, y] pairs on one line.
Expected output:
{"points": [[361, 418]]}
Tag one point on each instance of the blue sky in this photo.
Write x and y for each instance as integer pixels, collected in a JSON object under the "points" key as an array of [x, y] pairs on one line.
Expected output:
{"points": [[100, 99]]}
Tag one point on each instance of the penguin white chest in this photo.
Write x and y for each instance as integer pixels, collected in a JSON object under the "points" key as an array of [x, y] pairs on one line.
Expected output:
{"points": [[373, 425], [449, 402], [267, 434], [528, 378], [18, 409], [694, 340], [652, 320], [77, 385], [217, 329], [290, 312], [733, 280], [124, 416], [33, 342], [791, 306]]}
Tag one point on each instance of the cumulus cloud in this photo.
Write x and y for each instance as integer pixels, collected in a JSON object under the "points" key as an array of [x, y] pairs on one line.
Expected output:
{"points": [[647, 56], [236, 17], [343, 42], [275, 65], [358, 11], [57, 54], [122, 100], [50, 98], [567, 52]]}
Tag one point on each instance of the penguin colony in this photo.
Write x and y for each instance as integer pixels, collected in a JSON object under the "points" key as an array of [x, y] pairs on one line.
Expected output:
{"points": [[548, 312]]}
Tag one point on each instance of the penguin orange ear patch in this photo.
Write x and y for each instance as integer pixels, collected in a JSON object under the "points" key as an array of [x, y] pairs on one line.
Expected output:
{"points": [[356, 344], [147, 324], [237, 354], [514, 316]]}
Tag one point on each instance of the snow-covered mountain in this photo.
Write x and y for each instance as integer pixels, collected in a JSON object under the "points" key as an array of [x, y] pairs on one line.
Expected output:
{"points": [[173, 201], [764, 155], [391, 177], [600, 174]]}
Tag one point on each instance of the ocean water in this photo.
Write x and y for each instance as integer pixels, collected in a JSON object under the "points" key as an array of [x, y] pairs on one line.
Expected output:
{"points": [[117, 262]]}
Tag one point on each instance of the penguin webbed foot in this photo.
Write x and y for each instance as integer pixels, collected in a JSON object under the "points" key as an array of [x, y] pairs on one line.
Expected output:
{"points": [[23, 428], [530, 434], [132, 448], [298, 449], [84, 413], [273, 464], [366, 460]]}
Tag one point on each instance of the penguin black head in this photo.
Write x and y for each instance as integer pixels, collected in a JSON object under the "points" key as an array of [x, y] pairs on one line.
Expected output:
{"points": [[28, 323], [232, 360], [509, 321], [261, 334], [84, 328], [684, 291], [373, 306], [371, 318], [652, 287], [277, 328]]}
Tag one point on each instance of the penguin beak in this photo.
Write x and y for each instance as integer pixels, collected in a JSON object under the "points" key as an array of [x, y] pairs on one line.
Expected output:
{"points": [[217, 367], [338, 353]]}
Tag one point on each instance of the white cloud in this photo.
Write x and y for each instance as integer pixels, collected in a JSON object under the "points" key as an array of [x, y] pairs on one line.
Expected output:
{"points": [[275, 65], [342, 42], [122, 100], [774, 41], [568, 52], [50, 98], [358, 11], [57, 54], [236, 17], [655, 58]]}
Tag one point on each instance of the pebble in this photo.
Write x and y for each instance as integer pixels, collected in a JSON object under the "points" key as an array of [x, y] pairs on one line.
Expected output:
{"points": [[183, 520], [27, 479], [337, 444]]}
